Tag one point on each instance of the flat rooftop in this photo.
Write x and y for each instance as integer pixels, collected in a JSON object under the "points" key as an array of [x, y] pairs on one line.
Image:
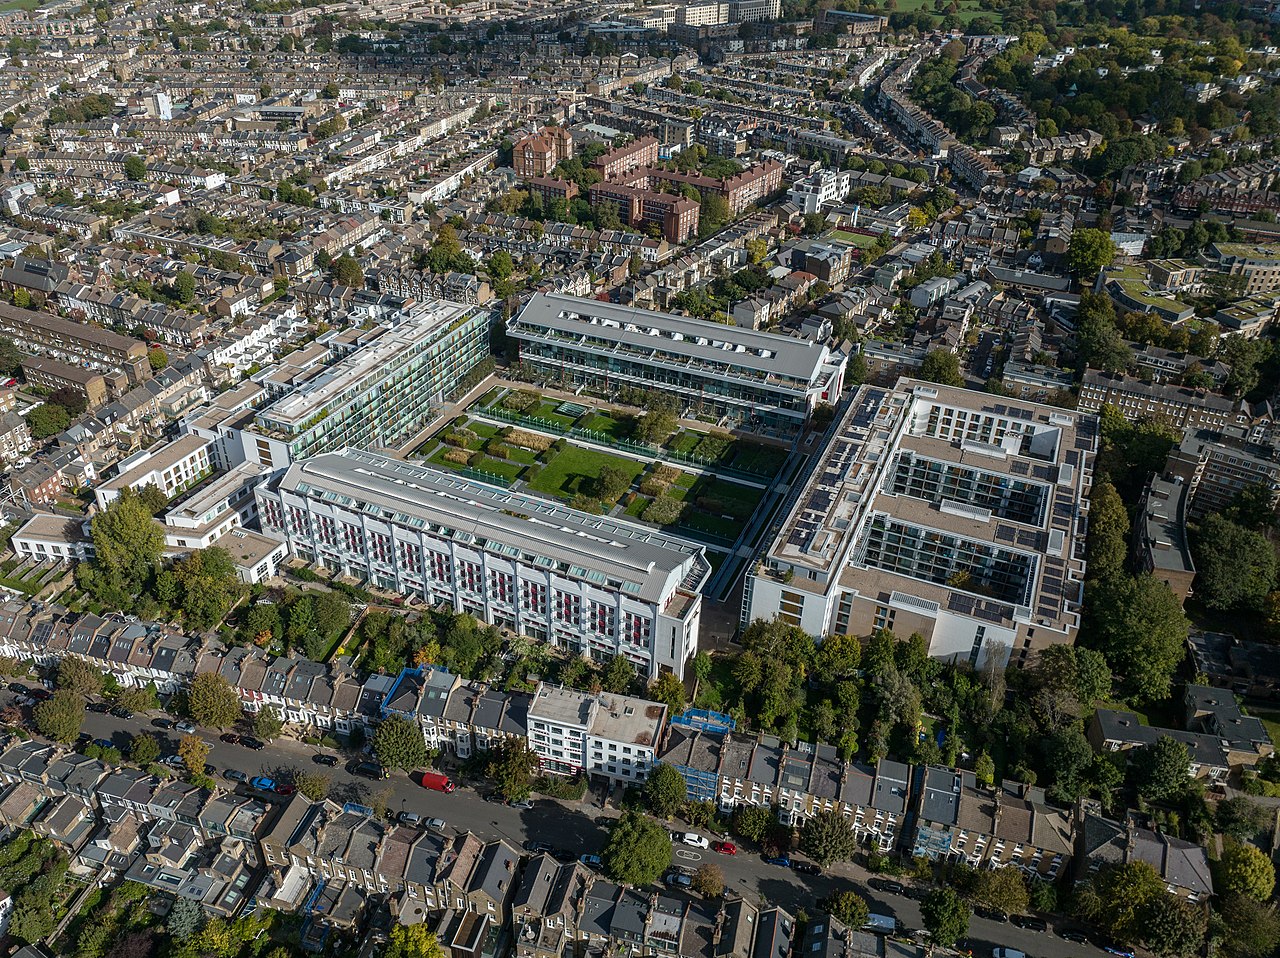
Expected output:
{"points": [[639, 561], [694, 339], [246, 547], [160, 459]]}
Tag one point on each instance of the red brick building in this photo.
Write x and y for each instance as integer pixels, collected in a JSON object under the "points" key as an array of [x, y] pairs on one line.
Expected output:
{"points": [[539, 153]]}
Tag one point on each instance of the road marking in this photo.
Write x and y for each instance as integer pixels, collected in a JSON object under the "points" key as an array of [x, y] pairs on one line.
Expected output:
{"points": [[688, 855]]}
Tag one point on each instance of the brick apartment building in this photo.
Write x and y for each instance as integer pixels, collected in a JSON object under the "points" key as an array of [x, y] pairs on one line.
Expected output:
{"points": [[539, 153]]}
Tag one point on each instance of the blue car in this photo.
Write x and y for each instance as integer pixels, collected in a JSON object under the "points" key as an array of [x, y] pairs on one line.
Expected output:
{"points": [[591, 861], [103, 743], [262, 783], [781, 860]]}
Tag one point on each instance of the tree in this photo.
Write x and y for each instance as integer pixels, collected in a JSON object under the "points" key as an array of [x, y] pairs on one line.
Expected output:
{"points": [[665, 790], [185, 919], [618, 675], [314, 785], [610, 484], [47, 420], [1098, 342], [412, 941], [946, 916], [157, 358], [849, 907], [500, 265], [838, 657], [206, 585], [1108, 543], [267, 723], [1241, 819], [828, 837], [984, 769], [702, 666], [1089, 251], [144, 749], [194, 752], [1252, 928], [1159, 770], [346, 271], [708, 880], [127, 545], [60, 716], [212, 701], [1244, 870], [184, 287], [669, 690], [329, 91], [753, 822], [1001, 889], [135, 168], [398, 743], [941, 366], [1235, 566], [512, 766], [1138, 624], [1173, 928], [10, 357], [1117, 897], [638, 850], [77, 675]]}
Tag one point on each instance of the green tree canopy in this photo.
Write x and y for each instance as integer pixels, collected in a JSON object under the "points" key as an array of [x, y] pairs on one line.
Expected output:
{"points": [[346, 271], [60, 716], [267, 723], [1089, 251], [135, 167], [144, 749], [1001, 889], [665, 790], [212, 701], [77, 675], [828, 837], [941, 366], [849, 907], [1138, 624], [127, 543], [1244, 870], [946, 916], [1235, 566], [512, 766], [638, 850], [398, 743], [1117, 897], [47, 419]]}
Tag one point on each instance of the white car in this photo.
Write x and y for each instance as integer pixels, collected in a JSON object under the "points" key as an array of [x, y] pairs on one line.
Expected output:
{"points": [[186, 728], [694, 840], [1007, 953], [437, 824]]}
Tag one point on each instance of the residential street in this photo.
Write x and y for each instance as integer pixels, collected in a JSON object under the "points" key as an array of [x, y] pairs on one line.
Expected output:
{"points": [[579, 827]]}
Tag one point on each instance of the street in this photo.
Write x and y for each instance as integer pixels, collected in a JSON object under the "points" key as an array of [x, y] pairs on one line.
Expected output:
{"points": [[580, 827]]}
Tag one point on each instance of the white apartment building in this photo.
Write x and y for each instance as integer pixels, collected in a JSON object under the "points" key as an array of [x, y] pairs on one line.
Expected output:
{"points": [[604, 735], [592, 584], [819, 190], [170, 467], [703, 13]]}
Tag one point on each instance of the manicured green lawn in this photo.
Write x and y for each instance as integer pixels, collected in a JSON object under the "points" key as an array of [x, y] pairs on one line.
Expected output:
{"points": [[685, 441], [607, 425], [564, 475], [969, 10], [638, 505], [737, 500], [483, 429], [523, 456], [546, 411], [510, 471], [718, 526], [756, 457], [853, 239]]}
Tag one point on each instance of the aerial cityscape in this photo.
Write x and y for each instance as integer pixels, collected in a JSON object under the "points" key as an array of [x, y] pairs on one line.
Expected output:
{"points": [[647, 479]]}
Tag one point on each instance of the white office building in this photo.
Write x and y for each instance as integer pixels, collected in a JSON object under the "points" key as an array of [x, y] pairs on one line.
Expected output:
{"points": [[592, 584], [819, 190], [602, 734]]}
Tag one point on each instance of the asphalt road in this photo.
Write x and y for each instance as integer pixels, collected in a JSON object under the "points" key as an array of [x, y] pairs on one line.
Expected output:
{"points": [[580, 827]]}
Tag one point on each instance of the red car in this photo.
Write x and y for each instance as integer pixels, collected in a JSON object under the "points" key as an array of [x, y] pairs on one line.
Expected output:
{"points": [[724, 848], [285, 789]]}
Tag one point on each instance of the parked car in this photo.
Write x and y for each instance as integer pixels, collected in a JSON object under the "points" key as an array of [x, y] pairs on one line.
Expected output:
{"points": [[1073, 934], [230, 738], [40, 695], [537, 848], [591, 861], [410, 818], [990, 914], [235, 775], [103, 743], [888, 886], [18, 688], [522, 804], [495, 798], [437, 824], [100, 707], [263, 783], [1003, 952], [329, 760], [1115, 948], [119, 711], [369, 770], [782, 860], [694, 840], [675, 879], [724, 848], [1029, 922], [210, 769], [252, 743], [186, 728], [162, 723], [174, 761], [285, 789], [806, 868]]}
